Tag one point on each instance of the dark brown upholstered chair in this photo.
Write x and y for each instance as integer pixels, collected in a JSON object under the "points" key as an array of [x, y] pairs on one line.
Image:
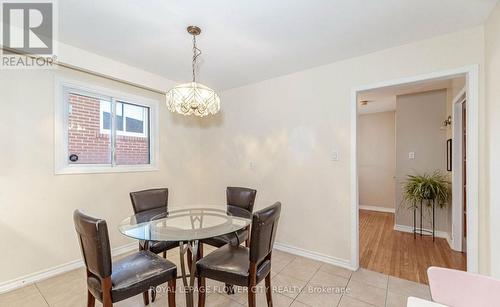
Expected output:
{"points": [[242, 266], [239, 198], [112, 282], [148, 200]]}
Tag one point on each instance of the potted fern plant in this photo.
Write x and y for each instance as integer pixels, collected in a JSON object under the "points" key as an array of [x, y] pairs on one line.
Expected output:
{"points": [[428, 189]]}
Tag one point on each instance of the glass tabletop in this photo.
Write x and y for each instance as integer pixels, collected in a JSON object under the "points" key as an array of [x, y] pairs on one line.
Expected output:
{"points": [[185, 224]]}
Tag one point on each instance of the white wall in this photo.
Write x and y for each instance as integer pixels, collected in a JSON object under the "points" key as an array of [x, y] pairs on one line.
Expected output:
{"points": [[419, 119], [36, 226], [377, 160], [492, 127], [278, 136]]}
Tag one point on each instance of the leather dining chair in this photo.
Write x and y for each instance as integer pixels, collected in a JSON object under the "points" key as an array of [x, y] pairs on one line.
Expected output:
{"points": [[237, 198], [148, 200], [132, 275], [243, 266]]}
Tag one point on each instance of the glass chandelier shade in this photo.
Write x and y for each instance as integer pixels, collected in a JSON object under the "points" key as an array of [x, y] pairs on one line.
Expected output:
{"points": [[193, 98]]}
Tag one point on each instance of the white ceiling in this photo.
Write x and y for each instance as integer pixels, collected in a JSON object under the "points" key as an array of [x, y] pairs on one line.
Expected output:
{"points": [[249, 41], [384, 99]]}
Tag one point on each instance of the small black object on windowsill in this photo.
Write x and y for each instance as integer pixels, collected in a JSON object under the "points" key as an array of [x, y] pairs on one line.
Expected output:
{"points": [[73, 158]]}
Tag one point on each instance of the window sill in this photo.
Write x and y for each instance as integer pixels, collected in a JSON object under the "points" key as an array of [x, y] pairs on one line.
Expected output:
{"points": [[97, 169]]}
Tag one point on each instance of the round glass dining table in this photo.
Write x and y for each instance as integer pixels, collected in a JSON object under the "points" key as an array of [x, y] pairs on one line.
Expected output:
{"points": [[187, 226]]}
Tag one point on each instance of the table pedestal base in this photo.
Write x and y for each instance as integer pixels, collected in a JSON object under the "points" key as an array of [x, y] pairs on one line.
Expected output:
{"points": [[189, 288]]}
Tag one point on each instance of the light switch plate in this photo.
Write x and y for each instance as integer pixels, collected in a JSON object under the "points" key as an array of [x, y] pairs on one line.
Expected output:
{"points": [[411, 155], [335, 156]]}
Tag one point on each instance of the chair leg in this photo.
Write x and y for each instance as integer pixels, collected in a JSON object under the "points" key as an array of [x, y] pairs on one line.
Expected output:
{"points": [[189, 259], [90, 299], [200, 251], [252, 283], [145, 297], [201, 291], [171, 292], [165, 254], [269, 291], [251, 296], [106, 292]]}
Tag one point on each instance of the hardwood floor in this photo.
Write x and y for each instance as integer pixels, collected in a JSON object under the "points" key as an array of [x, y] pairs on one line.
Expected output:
{"points": [[396, 253]]}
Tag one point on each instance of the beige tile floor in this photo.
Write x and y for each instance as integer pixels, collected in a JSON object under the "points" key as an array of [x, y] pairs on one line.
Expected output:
{"points": [[296, 281]]}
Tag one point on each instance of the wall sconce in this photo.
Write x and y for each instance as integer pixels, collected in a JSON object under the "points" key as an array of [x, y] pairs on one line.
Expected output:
{"points": [[446, 123]]}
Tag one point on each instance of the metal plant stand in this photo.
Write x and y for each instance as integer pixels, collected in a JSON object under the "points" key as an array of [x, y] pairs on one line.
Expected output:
{"points": [[421, 230]]}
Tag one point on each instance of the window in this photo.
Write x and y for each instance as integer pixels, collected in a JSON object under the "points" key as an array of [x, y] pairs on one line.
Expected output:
{"points": [[131, 120], [101, 131]]}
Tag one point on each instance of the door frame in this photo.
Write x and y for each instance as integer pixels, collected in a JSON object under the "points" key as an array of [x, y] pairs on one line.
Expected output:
{"points": [[457, 171], [471, 74]]}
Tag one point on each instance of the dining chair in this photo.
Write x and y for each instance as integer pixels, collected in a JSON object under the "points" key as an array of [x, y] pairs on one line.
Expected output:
{"points": [[243, 266], [148, 200], [237, 198], [132, 275]]}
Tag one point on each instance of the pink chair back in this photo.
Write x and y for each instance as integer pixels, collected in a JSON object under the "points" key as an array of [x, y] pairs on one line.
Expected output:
{"points": [[463, 289]]}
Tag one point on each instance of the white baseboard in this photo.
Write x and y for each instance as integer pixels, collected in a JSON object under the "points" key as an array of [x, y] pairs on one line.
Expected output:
{"points": [[314, 255], [437, 233], [59, 269], [377, 208], [450, 242]]}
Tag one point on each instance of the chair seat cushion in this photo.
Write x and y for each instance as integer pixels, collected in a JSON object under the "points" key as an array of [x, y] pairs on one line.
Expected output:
{"points": [[158, 247], [230, 264], [134, 274], [231, 238]]}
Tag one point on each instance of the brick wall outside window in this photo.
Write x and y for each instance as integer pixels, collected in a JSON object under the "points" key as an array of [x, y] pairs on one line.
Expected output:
{"points": [[93, 147]]}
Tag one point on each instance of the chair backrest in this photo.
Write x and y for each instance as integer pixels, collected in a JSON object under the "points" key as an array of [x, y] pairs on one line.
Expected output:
{"points": [[149, 199], [243, 198], [94, 243], [462, 289], [264, 226]]}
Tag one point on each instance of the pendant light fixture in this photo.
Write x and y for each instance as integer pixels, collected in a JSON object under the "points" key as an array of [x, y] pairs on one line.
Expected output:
{"points": [[193, 98]]}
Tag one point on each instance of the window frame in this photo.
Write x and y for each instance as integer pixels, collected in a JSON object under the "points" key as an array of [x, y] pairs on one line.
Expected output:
{"points": [[61, 121]]}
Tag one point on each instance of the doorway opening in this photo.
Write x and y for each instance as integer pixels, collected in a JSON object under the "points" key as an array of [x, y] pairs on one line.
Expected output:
{"points": [[415, 126]]}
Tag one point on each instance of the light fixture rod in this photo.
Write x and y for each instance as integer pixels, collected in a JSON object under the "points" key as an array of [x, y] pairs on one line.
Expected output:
{"points": [[196, 54], [194, 30]]}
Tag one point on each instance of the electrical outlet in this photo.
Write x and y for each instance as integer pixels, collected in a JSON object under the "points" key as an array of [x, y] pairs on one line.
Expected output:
{"points": [[411, 155]]}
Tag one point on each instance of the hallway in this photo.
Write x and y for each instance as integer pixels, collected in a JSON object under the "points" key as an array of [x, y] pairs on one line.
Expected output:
{"points": [[396, 253]]}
